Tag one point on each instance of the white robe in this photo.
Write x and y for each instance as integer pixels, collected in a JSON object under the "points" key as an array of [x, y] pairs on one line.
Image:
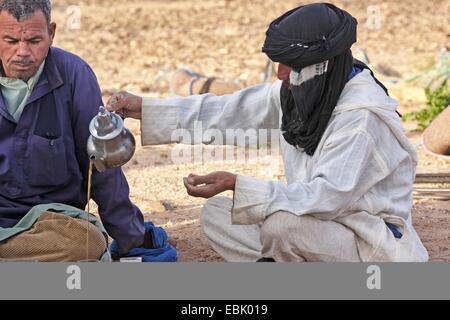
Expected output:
{"points": [[361, 173]]}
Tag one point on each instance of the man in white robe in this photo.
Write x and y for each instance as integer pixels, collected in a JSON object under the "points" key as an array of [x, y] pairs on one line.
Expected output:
{"points": [[348, 196]]}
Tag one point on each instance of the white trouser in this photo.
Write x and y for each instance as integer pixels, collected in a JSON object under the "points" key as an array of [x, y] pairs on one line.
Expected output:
{"points": [[283, 236]]}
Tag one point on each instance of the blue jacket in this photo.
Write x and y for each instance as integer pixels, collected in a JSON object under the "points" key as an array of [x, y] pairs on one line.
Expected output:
{"points": [[43, 157]]}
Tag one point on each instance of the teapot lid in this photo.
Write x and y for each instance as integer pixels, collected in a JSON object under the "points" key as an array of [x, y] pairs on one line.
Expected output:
{"points": [[106, 125]]}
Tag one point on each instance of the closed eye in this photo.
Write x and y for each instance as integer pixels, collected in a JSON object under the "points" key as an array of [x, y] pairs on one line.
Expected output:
{"points": [[11, 41], [34, 41]]}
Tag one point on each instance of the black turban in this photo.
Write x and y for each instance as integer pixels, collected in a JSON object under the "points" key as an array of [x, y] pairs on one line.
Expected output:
{"points": [[314, 40]]}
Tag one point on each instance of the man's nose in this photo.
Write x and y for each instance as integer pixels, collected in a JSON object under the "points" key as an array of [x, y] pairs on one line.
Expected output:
{"points": [[24, 50], [284, 72]]}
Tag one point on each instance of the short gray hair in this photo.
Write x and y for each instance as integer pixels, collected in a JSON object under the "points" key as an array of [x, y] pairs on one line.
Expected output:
{"points": [[23, 9]]}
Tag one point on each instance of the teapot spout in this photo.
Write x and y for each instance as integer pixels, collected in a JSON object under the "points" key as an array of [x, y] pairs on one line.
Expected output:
{"points": [[99, 163]]}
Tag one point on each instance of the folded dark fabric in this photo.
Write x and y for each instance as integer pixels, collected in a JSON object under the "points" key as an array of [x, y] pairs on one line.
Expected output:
{"points": [[162, 251], [395, 231], [310, 34]]}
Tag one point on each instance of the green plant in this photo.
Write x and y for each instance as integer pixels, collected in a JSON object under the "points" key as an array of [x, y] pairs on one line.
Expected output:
{"points": [[437, 101]]}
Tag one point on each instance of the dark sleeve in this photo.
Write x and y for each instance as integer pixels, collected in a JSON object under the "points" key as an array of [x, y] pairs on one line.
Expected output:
{"points": [[121, 218]]}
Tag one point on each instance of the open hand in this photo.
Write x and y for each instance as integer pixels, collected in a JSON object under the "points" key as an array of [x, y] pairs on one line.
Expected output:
{"points": [[210, 185]]}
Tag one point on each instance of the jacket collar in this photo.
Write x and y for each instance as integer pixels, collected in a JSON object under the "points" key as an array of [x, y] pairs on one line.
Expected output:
{"points": [[49, 80]]}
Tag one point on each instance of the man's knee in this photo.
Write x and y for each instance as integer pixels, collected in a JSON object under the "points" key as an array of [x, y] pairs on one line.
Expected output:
{"points": [[223, 203], [87, 242], [214, 207], [286, 232], [277, 227], [278, 237]]}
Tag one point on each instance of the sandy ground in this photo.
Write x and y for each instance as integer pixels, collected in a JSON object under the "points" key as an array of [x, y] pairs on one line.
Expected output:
{"points": [[134, 45]]}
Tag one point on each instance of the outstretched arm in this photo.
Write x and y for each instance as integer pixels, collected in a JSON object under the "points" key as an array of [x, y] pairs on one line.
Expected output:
{"points": [[202, 117]]}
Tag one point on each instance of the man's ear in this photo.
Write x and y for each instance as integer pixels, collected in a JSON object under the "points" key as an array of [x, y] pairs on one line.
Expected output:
{"points": [[52, 31]]}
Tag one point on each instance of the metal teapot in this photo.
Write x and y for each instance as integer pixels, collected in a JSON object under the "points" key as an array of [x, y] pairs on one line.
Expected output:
{"points": [[110, 145]]}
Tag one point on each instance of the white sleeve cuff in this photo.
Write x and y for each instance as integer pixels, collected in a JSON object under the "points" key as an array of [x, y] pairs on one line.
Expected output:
{"points": [[250, 200]]}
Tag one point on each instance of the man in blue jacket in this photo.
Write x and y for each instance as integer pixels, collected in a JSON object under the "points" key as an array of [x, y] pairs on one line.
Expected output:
{"points": [[47, 100]]}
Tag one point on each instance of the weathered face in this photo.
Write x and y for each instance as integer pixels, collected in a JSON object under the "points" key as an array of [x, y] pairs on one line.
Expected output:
{"points": [[24, 45]]}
